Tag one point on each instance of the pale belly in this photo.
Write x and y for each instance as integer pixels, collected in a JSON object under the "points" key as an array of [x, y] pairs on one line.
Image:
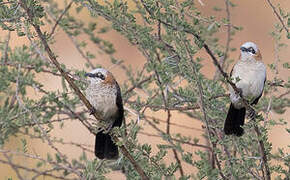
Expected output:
{"points": [[104, 103], [250, 81]]}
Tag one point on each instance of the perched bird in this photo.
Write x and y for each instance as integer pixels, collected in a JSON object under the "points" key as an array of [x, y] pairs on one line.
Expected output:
{"points": [[249, 75], [104, 94]]}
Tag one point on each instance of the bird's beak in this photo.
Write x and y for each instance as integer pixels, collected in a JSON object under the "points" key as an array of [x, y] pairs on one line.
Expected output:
{"points": [[243, 49]]}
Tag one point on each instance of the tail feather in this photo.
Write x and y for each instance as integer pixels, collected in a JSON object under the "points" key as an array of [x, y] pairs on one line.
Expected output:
{"points": [[105, 147], [235, 119]]}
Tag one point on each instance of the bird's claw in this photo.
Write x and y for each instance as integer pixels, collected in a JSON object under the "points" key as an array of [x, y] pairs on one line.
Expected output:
{"points": [[252, 114], [92, 111], [240, 92]]}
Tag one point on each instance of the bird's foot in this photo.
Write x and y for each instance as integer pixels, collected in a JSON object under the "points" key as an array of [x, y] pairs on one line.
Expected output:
{"points": [[252, 114], [92, 111], [240, 92], [108, 129]]}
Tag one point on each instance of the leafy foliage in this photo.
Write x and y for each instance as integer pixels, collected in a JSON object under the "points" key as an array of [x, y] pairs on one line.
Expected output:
{"points": [[170, 35]]}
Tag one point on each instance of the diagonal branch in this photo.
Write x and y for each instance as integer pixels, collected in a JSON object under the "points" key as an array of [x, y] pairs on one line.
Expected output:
{"points": [[59, 18], [278, 16]]}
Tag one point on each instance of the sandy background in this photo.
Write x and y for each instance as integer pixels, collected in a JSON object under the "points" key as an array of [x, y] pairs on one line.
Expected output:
{"points": [[255, 16]]}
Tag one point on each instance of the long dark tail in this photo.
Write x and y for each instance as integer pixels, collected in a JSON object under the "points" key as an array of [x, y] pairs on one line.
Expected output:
{"points": [[105, 147], [235, 119]]}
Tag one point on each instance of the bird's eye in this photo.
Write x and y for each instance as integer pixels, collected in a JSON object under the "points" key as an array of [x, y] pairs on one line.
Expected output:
{"points": [[252, 50], [101, 76]]}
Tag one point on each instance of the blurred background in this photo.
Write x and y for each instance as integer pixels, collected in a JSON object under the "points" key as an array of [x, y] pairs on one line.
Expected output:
{"points": [[255, 16]]}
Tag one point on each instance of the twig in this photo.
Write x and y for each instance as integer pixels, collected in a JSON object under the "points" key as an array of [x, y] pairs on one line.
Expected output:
{"points": [[15, 168], [201, 101], [173, 149], [53, 59], [174, 124], [34, 170], [225, 56], [170, 138], [73, 40], [278, 16], [60, 17], [31, 67], [6, 48], [137, 85], [42, 130], [178, 140]]}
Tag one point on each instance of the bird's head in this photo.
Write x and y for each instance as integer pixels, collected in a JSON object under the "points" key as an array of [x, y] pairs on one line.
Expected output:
{"points": [[250, 50], [100, 76]]}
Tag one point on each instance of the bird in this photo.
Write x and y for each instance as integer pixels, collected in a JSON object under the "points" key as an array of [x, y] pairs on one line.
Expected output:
{"points": [[249, 76], [104, 94]]}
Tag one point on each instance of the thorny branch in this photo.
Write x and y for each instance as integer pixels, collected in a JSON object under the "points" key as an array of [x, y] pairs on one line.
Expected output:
{"points": [[9, 160], [31, 156], [201, 101], [73, 40], [59, 18], [278, 16], [44, 173]]}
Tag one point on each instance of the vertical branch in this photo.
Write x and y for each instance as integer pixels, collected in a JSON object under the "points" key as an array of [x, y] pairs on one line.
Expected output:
{"points": [[225, 56], [272, 88], [5, 60], [227, 3], [174, 151], [165, 101], [201, 102]]}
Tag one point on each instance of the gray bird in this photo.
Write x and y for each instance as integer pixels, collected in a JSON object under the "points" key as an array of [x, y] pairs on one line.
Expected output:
{"points": [[249, 75], [104, 94]]}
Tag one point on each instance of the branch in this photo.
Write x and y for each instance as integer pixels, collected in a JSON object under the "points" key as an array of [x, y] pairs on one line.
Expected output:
{"points": [[6, 48], [15, 168], [34, 170], [53, 59], [178, 140], [137, 85], [278, 16], [201, 102], [173, 149], [59, 18], [225, 56]]}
